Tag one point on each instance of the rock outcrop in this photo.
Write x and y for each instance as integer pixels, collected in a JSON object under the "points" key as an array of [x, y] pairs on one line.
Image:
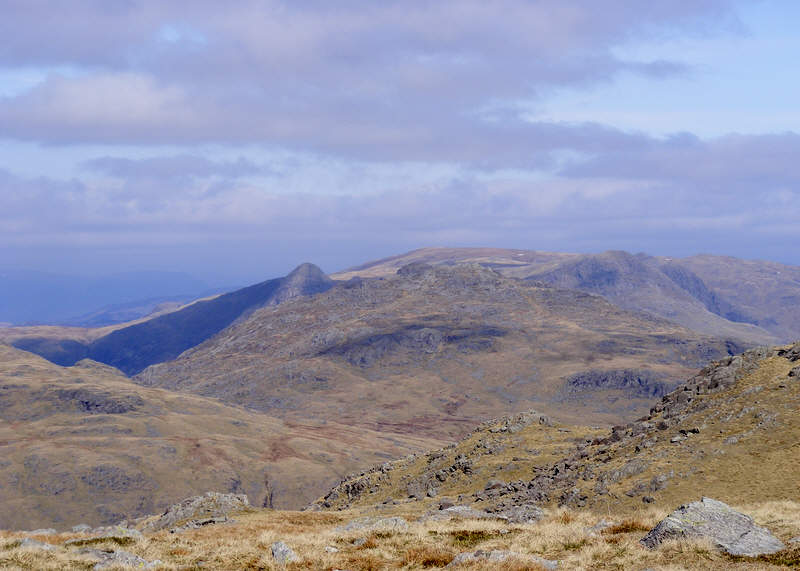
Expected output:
{"points": [[198, 511], [730, 530]]}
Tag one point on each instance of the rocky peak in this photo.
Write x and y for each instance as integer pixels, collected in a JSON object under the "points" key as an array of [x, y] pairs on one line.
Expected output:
{"points": [[305, 279]]}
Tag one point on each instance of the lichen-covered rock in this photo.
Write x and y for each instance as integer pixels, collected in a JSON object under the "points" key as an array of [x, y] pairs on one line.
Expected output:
{"points": [[375, 524], [282, 553], [212, 507], [525, 513], [36, 544], [732, 531], [119, 558], [81, 528]]}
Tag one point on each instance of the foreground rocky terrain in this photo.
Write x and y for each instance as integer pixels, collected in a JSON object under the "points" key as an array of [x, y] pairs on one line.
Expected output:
{"points": [[221, 531], [520, 492], [434, 350], [84, 444], [730, 432]]}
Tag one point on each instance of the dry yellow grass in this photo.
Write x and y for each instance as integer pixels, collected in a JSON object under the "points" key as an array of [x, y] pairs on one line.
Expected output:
{"points": [[562, 536]]}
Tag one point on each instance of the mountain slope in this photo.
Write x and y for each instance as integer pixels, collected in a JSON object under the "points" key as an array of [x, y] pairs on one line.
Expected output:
{"points": [[132, 348], [644, 283], [764, 293], [433, 350], [731, 432], [754, 301], [84, 444]]}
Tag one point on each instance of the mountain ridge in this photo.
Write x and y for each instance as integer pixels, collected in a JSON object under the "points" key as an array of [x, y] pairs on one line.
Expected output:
{"points": [[753, 300], [164, 337], [462, 342]]}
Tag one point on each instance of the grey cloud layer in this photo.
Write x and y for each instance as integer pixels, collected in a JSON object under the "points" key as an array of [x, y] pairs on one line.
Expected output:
{"points": [[736, 183], [436, 93], [388, 80]]}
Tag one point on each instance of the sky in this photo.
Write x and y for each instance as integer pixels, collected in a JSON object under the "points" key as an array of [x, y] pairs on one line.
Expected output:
{"points": [[233, 141]]}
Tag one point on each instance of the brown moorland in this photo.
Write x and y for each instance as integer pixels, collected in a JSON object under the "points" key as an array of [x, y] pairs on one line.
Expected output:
{"points": [[84, 444]]}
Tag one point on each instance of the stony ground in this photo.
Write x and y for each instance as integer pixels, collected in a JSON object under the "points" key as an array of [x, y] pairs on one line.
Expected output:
{"points": [[345, 540]]}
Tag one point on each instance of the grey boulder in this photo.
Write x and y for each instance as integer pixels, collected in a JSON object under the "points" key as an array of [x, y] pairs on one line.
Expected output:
{"points": [[732, 531], [374, 524], [115, 559], [282, 553], [196, 511]]}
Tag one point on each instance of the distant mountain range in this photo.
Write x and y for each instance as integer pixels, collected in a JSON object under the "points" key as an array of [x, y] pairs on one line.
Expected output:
{"points": [[434, 349], [755, 301]]}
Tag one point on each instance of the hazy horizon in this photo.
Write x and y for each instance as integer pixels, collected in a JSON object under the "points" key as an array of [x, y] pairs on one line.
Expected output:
{"points": [[232, 143]]}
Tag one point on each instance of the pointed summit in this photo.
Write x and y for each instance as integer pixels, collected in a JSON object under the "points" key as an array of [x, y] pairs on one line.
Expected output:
{"points": [[305, 279]]}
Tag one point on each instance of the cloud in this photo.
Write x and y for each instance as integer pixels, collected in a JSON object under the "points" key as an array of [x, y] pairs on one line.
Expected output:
{"points": [[396, 125], [364, 80], [719, 165], [175, 166]]}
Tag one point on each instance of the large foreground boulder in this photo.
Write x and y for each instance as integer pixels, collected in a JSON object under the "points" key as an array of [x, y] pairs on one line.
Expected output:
{"points": [[197, 511], [731, 531]]}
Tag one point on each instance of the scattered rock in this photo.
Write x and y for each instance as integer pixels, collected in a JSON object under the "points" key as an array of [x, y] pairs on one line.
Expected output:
{"points": [[81, 528], [497, 556], [598, 528], [197, 511], [445, 503], [459, 512], [331, 549], [119, 558], [374, 524], [526, 513], [36, 544], [117, 534], [732, 531], [495, 485], [792, 354], [282, 553], [47, 531], [648, 499]]}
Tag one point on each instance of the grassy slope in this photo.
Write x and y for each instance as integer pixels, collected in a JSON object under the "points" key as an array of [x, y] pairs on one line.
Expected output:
{"points": [[562, 536], [746, 450], [84, 444]]}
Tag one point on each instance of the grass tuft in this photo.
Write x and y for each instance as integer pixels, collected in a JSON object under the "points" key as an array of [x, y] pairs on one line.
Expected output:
{"points": [[627, 526], [428, 556], [467, 538]]}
